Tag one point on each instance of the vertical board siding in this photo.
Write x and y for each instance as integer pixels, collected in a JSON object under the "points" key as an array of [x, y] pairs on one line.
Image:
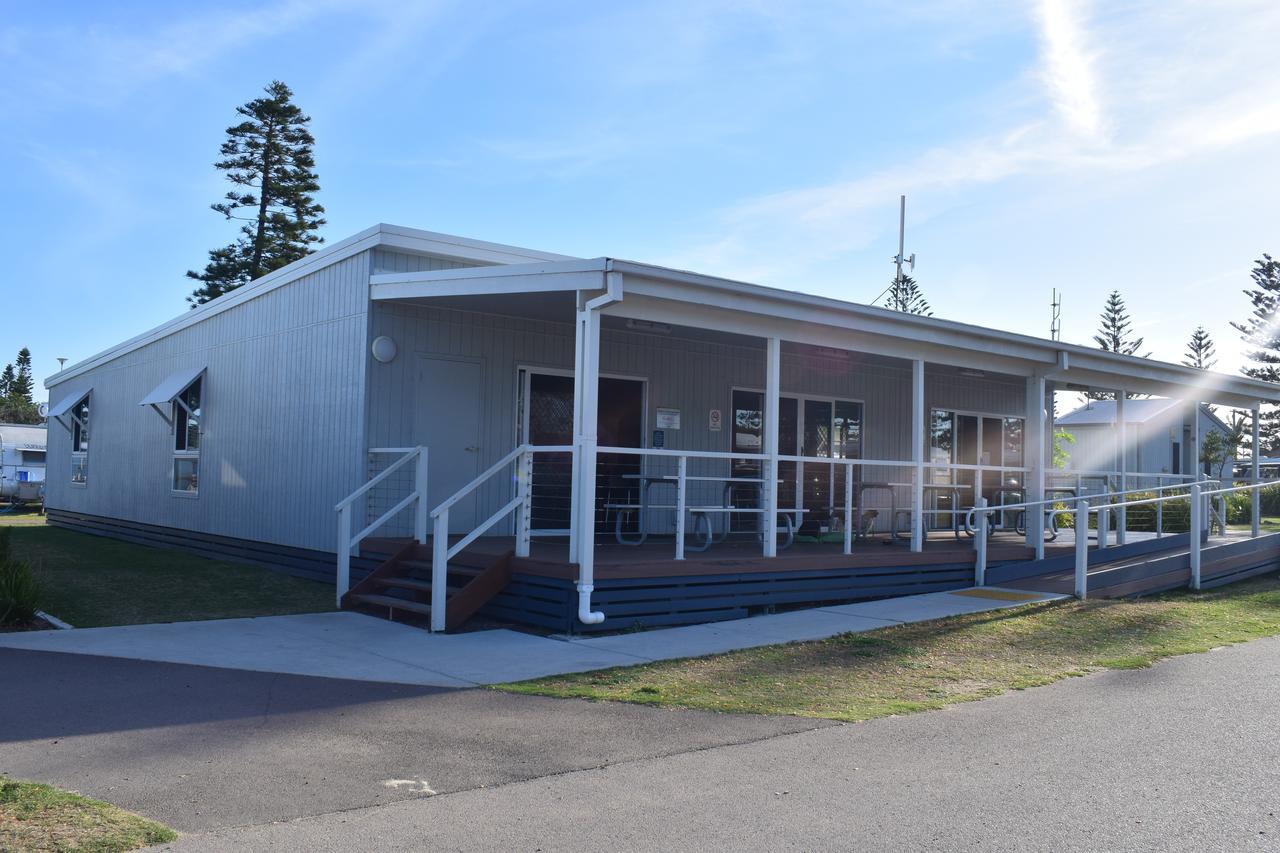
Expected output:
{"points": [[283, 418]]}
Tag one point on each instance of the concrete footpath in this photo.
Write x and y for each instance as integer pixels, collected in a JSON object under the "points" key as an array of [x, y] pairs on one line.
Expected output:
{"points": [[364, 648]]}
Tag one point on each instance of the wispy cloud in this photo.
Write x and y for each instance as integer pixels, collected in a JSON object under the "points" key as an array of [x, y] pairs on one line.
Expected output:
{"points": [[1067, 66], [1186, 80]]}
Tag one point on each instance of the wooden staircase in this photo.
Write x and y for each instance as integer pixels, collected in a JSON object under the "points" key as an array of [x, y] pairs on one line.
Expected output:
{"points": [[402, 584]]}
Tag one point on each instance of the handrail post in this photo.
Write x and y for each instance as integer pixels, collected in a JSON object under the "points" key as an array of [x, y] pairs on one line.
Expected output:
{"points": [[980, 545], [524, 512], [682, 470], [1104, 522], [439, 569], [420, 488], [1197, 508], [1160, 495], [848, 508], [344, 552], [1256, 506], [1082, 548]]}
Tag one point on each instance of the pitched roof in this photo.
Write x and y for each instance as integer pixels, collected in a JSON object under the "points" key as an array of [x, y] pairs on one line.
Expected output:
{"points": [[1136, 411]]}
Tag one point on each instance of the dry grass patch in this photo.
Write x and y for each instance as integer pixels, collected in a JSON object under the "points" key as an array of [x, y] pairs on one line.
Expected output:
{"points": [[932, 664], [42, 818]]}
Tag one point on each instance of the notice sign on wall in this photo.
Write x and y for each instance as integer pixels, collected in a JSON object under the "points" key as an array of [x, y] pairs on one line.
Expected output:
{"points": [[713, 420], [668, 419]]}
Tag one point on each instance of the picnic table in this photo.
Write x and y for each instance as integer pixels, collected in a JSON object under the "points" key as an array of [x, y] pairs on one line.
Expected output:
{"points": [[699, 514]]}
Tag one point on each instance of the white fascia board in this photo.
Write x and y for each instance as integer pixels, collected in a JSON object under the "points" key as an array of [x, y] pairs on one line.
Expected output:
{"points": [[1087, 365], [392, 236], [477, 281]]}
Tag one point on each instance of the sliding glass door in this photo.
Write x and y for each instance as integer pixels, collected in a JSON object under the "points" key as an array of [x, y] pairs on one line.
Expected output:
{"points": [[964, 438], [807, 426]]}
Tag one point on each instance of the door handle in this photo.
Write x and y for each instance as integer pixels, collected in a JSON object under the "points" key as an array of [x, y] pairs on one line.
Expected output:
{"points": [[472, 449]]}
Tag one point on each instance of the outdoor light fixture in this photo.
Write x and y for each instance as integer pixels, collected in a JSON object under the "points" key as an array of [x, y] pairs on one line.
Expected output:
{"points": [[384, 349], [650, 327]]}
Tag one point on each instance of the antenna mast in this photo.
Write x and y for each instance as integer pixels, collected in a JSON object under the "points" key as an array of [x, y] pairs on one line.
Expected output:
{"points": [[1055, 317], [900, 258]]}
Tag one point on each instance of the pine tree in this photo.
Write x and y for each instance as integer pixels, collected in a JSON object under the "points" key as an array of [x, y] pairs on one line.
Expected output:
{"points": [[6, 381], [905, 296], [1200, 350], [1261, 331], [1114, 335], [268, 158], [23, 383]]}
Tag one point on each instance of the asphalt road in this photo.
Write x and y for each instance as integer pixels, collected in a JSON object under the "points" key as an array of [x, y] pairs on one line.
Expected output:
{"points": [[1183, 756], [200, 748]]}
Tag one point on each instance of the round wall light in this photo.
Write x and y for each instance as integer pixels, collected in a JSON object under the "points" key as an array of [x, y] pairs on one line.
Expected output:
{"points": [[384, 349]]}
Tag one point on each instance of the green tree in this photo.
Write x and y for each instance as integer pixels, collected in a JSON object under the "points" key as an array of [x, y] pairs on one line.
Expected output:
{"points": [[1261, 331], [16, 387], [269, 160], [1201, 353], [905, 296], [1115, 334], [6, 381]]}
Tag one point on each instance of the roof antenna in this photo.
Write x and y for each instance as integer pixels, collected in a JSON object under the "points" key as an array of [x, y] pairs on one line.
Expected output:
{"points": [[900, 259], [1055, 317]]}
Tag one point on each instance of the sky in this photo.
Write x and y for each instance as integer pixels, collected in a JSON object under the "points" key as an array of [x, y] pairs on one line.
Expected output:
{"points": [[1075, 146]]}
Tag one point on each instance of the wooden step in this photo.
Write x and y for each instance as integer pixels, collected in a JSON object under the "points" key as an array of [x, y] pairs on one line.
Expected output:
{"points": [[407, 583], [392, 602]]}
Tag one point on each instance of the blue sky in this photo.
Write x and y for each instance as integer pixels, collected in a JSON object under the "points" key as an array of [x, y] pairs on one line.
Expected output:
{"points": [[1041, 144]]}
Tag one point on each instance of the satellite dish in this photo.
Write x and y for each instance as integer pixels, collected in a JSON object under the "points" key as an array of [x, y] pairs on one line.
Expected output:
{"points": [[43, 409]]}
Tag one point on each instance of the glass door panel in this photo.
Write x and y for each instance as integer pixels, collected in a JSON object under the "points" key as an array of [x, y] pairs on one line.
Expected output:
{"points": [[992, 454], [817, 478]]}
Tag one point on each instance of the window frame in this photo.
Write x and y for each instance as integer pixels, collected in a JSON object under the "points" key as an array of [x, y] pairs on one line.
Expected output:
{"points": [[80, 441], [181, 414]]}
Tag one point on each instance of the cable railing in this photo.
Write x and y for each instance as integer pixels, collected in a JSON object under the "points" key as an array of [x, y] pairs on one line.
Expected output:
{"points": [[348, 541]]}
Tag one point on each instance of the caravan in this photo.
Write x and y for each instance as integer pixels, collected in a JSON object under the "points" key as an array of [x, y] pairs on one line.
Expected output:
{"points": [[22, 455]]}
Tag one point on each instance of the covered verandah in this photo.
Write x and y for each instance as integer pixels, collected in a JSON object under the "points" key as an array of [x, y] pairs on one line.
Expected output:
{"points": [[692, 505]]}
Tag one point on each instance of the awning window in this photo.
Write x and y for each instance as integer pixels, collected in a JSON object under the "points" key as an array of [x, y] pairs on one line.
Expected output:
{"points": [[171, 387], [67, 403]]}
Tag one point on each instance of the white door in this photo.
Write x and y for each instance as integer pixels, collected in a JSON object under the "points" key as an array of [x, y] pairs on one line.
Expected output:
{"points": [[447, 421]]}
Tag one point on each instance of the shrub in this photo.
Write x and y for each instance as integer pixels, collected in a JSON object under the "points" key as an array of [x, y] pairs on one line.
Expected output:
{"points": [[19, 590]]}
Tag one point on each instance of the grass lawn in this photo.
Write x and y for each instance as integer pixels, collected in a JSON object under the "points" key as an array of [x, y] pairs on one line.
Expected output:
{"points": [[39, 817], [92, 581], [1270, 524], [931, 664], [23, 515]]}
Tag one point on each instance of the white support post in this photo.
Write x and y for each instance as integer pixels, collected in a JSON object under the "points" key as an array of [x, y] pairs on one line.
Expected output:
{"points": [[524, 512], [1082, 548], [980, 545], [848, 508], [682, 472], [420, 488], [1122, 455], [1197, 467], [576, 456], [917, 455], [344, 552], [1255, 475], [439, 569], [1197, 510], [772, 401], [1033, 448]]}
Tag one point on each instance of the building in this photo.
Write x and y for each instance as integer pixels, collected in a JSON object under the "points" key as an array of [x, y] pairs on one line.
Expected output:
{"points": [[22, 461], [604, 438], [1161, 437]]}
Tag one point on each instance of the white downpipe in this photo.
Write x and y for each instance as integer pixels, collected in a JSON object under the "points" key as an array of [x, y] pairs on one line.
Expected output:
{"points": [[344, 551], [589, 385]]}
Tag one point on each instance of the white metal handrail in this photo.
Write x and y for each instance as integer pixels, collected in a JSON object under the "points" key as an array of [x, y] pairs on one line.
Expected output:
{"points": [[1195, 493], [442, 552], [348, 542]]}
